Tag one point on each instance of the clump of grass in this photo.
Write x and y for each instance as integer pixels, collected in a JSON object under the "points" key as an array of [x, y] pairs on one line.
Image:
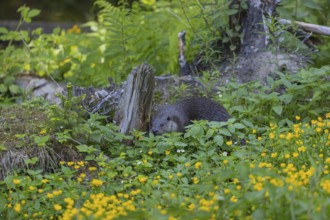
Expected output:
{"points": [[25, 143]]}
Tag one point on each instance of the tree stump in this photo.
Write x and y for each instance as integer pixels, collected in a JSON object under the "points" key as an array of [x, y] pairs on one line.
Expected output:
{"points": [[134, 108]]}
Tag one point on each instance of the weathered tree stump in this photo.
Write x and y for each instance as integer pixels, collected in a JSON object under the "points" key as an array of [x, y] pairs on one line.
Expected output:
{"points": [[134, 108]]}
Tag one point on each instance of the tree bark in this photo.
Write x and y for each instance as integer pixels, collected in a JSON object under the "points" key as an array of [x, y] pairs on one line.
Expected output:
{"points": [[134, 108]]}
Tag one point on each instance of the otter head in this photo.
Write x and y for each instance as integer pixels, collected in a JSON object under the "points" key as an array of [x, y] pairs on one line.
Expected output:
{"points": [[164, 123]]}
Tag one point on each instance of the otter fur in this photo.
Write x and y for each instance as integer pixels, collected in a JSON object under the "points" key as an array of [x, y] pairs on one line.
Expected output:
{"points": [[175, 117]]}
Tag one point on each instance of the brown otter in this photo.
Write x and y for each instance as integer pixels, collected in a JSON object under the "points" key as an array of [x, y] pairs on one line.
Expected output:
{"points": [[175, 117]]}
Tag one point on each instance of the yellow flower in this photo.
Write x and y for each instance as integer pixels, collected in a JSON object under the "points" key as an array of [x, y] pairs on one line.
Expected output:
{"points": [[198, 165], [96, 182], [92, 168], [43, 131], [271, 135], [302, 149], [195, 180], [273, 155], [142, 179], [233, 199], [225, 162], [75, 29], [45, 181], [295, 154], [16, 181], [17, 207], [258, 186], [226, 191], [57, 207], [57, 192], [69, 201], [135, 192], [167, 152], [325, 184], [179, 174], [50, 195], [81, 163], [191, 207], [297, 118]]}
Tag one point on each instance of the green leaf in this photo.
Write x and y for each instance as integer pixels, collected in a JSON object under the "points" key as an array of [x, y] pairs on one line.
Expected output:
{"points": [[209, 133], [286, 98], [196, 130], [218, 139], [3, 30], [312, 5], [239, 126], [3, 88], [9, 80], [238, 108], [41, 141], [2, 147], [316, 95], [248, 123], [225, 132], [231, 128], [14, 89], [278, 109], [34, 12], [32, 161], [86, 149]]}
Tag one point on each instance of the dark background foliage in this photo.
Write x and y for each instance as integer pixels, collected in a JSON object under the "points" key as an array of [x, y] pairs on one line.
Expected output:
{"points": [[60, 10]]}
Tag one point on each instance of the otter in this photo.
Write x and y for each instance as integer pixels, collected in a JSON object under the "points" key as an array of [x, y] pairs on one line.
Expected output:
{"points": [[175, 117]]}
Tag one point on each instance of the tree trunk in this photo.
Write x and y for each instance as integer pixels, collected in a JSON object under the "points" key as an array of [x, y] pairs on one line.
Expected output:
{"points": [[134, 108]]}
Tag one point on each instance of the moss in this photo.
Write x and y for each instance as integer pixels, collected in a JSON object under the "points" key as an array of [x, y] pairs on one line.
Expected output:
{"points": [[19, 125]]}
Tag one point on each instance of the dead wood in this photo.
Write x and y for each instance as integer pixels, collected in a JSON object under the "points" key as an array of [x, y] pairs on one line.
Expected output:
{"points": [[317, 29], [134, 108]]}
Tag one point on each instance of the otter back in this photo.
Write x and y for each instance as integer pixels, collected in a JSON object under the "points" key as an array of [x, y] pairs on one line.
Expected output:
{"points": [[175, 117]]}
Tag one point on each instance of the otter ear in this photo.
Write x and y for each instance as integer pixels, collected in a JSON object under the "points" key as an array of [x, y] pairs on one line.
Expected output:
{"points": [[168, 118]]}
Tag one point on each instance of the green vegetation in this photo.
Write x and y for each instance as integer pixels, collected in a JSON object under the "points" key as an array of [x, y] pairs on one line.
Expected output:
{"points": [[281, 172], [270, 161], [121, 39]]}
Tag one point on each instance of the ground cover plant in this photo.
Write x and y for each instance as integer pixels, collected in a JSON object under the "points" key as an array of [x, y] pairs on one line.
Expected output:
{"points": [[281, 172], [270, 161]]}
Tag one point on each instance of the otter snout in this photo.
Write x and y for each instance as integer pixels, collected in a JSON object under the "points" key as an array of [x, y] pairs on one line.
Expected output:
{"points": [[155, 131]]}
